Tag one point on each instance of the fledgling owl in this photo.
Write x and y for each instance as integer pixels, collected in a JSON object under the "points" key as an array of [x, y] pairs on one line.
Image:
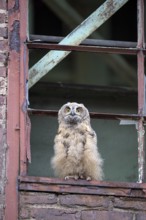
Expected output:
{"points": [[76, 153]]}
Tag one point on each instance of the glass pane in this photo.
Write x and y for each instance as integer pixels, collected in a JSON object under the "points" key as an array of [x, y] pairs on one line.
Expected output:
{"points": [[91, 68], [117, 145], [63, 18], [42, 139], [90, 79]]}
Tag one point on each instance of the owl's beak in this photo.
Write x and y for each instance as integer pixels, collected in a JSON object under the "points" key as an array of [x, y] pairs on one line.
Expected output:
{"points": [[72, 113]]}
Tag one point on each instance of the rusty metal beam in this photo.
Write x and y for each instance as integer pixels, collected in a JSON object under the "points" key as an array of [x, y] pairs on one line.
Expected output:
{"points": [[41, 184], [106, 116], [88, 42], [88, 26], [141, 89], [95, 49]]}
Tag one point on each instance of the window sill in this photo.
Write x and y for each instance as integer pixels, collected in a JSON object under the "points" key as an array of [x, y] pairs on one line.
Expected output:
{"points": [[44, 184]]}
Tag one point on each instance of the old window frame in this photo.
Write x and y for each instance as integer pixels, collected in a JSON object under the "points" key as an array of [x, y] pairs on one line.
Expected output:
{"points": [[28, 183], [16, 111]]}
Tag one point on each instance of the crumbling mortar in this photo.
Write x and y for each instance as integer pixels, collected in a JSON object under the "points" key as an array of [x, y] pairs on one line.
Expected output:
{"points": [[47, 206]]}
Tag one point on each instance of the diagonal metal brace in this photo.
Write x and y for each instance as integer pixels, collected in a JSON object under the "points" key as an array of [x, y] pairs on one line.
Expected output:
{"points": [[80, 33]]}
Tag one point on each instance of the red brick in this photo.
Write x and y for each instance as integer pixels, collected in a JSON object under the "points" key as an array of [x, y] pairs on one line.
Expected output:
{"points": [[4, 45], [1, 199], [141, 216], [106, 215], [3, 18], [3, 32], [3, 57], [132, 204], [3, 71], [3, 4], [2, 133], [1, 213], [2, 100], [38, 198], [24, 212], [51, 214], [84, 200]]}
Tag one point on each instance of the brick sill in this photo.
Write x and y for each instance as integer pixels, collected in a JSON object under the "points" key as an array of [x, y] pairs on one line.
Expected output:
{"points": [[44, 184]]}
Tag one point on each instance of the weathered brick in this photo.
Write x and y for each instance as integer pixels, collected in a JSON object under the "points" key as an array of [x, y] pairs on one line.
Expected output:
{"points": [[50, 214], [3, 57], [3, 86], [4, 45], [3, 4], [128, 203], [2, 100], [141, 216], [3, 71], [3, 32], [106, 215], [24, 212], [3, 18], [38, 198], [2, 136], [84, 200], [2, 112], [1, 213], [2, 197]]}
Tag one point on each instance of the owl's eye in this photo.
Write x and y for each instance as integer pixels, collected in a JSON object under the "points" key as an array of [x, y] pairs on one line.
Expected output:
{"points": [[67, 109], [79, 109]]}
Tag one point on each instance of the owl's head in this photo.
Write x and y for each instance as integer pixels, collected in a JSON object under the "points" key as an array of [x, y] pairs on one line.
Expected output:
{"points": [[73, 113]]}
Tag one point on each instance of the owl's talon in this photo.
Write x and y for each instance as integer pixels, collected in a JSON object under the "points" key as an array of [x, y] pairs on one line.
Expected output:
{"points": [[88, 178], [75, 177]]}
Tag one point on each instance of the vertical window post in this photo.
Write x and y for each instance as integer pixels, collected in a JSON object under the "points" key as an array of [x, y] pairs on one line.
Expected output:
{"points": [[141, 89], [23, 88]]}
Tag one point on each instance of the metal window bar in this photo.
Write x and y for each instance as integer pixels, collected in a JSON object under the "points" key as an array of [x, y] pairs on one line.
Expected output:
{"points": [[81, 48], [97, 115], [89, 42], [141, 89], [109, 47]]}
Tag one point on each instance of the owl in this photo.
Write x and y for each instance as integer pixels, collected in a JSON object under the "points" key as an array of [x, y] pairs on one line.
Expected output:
{"points": [[75, 146]]}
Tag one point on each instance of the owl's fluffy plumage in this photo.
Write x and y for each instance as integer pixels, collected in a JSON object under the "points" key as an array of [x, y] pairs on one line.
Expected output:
{"points": [[76, 153]]}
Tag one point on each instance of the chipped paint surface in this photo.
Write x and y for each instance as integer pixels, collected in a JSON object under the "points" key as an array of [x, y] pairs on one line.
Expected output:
{"points": [[12, 159], [141, 151], [3, 107], [141, 90], [14, 37]]}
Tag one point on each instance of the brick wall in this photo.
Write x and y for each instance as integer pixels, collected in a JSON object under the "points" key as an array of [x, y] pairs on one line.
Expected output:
{"points": [[55, 206], [3, 91], [50, 206]]}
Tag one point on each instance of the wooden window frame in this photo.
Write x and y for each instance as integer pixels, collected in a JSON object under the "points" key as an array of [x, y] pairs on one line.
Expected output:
{"points": [[113, 47], [16, 108], [104, 46], [18, 126]]}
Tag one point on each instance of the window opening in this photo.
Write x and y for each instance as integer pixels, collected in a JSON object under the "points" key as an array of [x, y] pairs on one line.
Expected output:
{"points": [[117, 51]]}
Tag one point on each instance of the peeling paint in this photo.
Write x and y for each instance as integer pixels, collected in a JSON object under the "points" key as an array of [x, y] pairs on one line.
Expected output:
{"points": [[141, 160], [14, 37], [15, 7]]}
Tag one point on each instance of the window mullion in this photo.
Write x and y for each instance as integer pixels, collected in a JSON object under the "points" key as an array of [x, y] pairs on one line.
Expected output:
{"points": [[141, 89]]}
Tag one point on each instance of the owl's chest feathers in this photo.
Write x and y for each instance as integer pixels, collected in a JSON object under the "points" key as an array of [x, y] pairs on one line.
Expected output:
{"points": [[74, 141]]}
